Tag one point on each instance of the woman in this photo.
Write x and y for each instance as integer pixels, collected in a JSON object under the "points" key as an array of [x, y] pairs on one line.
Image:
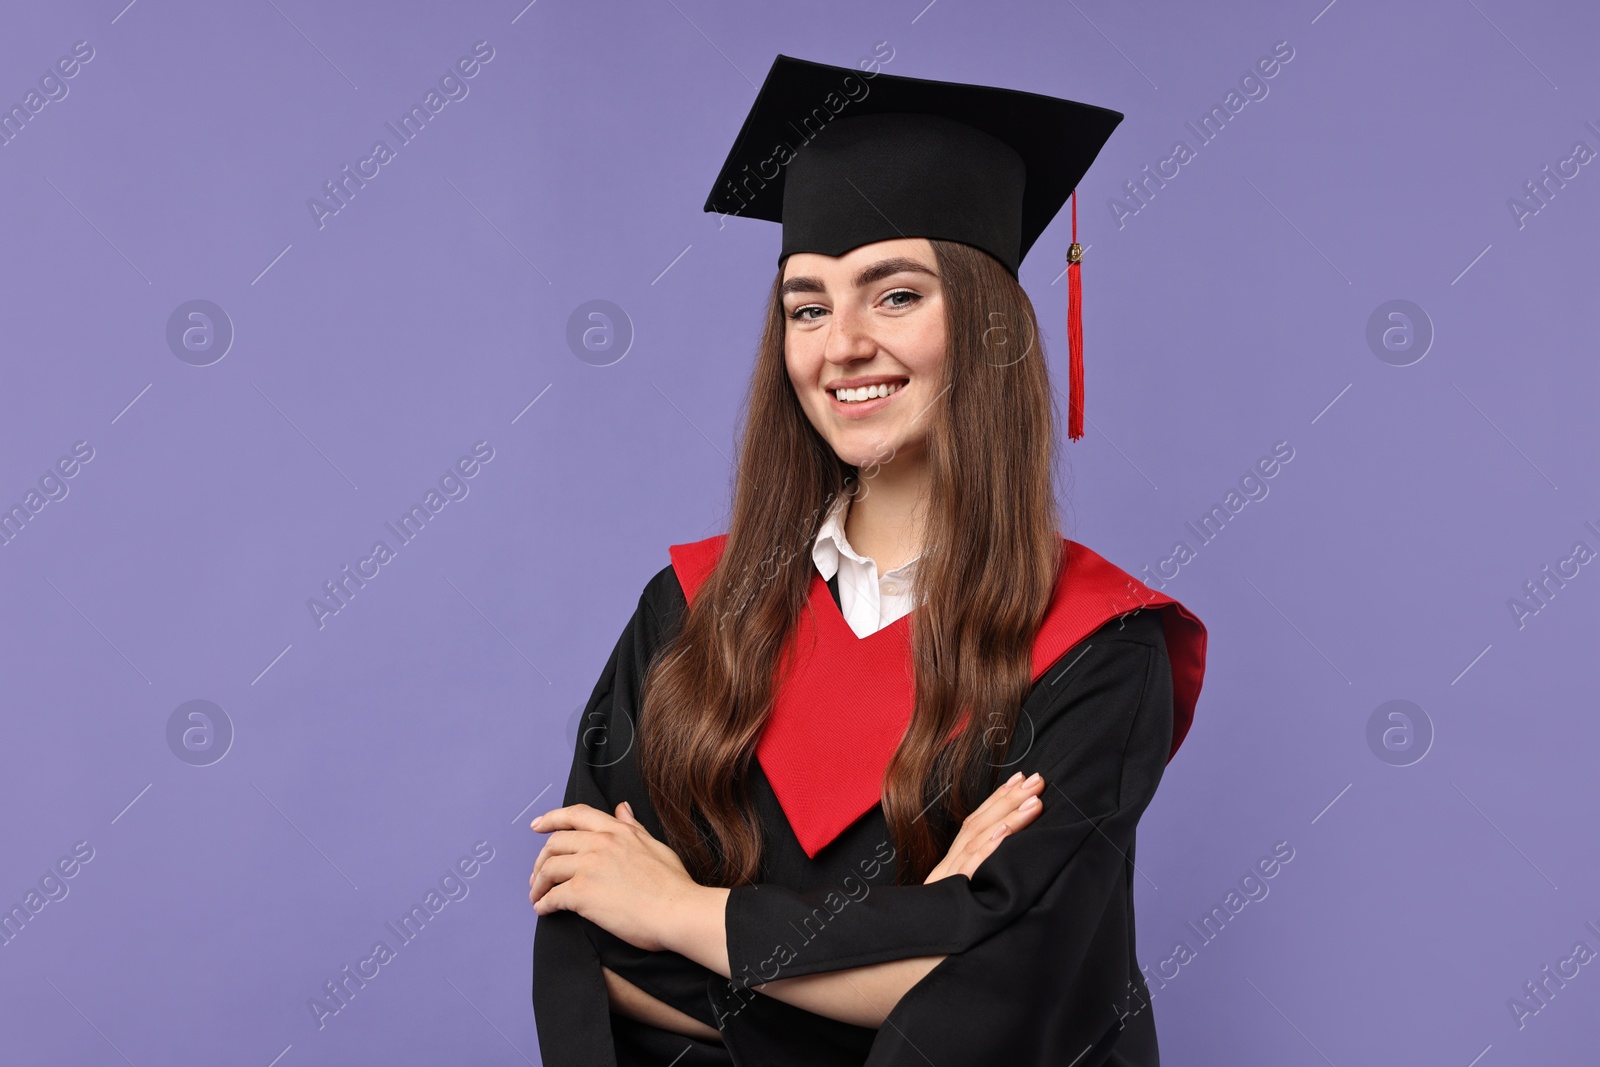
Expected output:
{"points": [[783, 836]]}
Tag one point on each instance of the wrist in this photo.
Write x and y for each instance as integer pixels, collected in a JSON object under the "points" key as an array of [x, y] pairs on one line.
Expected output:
{"points": [[693, 927]]}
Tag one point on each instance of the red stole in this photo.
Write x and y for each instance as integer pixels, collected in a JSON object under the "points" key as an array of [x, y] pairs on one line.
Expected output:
{"points": [[844, 702]]}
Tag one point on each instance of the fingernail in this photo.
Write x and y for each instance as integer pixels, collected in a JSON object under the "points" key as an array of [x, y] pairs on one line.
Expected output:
{"points": [[998, 830], [536, 820], [1032, 778], [1013, 779], [1029, 804]]}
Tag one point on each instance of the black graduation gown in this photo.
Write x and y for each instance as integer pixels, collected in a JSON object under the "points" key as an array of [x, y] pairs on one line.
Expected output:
{"points": [[1041, 966]]}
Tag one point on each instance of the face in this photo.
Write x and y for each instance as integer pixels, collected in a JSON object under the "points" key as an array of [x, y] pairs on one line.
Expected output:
{"points": [[872, 319]]}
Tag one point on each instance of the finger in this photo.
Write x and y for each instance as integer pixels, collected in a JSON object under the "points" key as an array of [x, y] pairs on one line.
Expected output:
{"points": [[553, 900], [557, 869], [561, 898], [978, 836], [563, 818], [1007, 796], [972, 842], [627, 818], [979, 851], [998, 796], [1026, 812], [561, 842], [573, 817], [1000, 804], [1019, 816]]}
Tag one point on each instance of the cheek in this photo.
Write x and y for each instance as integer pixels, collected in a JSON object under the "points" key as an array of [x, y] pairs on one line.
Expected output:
{"points": [[794, 365], [802, 359], [924, 351]]}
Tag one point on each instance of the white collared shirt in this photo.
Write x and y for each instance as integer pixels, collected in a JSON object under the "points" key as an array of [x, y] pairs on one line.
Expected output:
{"points": [[868, 602]]}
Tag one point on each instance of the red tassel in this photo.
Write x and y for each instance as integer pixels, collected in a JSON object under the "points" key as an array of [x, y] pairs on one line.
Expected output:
{"points": [[1075, 331]]}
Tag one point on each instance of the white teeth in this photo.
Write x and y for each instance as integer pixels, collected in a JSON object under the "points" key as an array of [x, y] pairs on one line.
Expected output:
{"points": [[867, 392]]}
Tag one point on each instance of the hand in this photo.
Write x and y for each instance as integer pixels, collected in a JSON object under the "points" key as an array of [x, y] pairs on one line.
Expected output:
{"points": [[609, 870], [1009, 808]]}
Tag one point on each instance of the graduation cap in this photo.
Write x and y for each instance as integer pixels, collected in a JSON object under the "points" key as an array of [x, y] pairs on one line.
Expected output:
{"points": [[841, 158]]}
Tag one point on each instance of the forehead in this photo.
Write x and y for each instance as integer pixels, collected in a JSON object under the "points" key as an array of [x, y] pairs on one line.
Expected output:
{"points": [[841, 268]]}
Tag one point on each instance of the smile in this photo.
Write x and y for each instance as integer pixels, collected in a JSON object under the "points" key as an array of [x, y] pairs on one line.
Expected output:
{"points": [[866, 393]]}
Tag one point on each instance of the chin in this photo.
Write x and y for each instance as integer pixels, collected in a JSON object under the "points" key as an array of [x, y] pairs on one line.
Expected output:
{"points": [[860, 451]]}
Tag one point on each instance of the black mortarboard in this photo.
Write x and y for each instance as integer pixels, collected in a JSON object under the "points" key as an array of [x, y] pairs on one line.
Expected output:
{"points": [[842, 157]]}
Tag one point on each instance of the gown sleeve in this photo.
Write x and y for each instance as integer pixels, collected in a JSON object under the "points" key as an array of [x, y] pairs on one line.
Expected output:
{"points": [[1039, 942], [571, 1005]]}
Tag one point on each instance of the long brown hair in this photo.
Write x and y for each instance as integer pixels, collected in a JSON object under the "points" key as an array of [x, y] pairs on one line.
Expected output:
{"points": [[991, 547]]}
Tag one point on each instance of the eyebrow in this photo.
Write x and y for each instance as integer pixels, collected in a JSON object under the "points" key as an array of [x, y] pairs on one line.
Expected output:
{"points": [[871, 273]]}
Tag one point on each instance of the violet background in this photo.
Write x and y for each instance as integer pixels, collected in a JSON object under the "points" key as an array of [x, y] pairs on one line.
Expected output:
{"points": [[436, 709]]}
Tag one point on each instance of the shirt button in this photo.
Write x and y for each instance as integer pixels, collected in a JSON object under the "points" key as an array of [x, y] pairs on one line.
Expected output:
{"points": [[891, 588]]}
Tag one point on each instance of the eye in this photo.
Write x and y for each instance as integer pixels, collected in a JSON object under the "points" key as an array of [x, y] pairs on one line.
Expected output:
{"points": [[799, 313], [913, 297]]}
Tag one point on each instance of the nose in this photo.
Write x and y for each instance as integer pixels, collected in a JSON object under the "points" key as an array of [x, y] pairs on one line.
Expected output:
{"points": [[849, 338]]}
